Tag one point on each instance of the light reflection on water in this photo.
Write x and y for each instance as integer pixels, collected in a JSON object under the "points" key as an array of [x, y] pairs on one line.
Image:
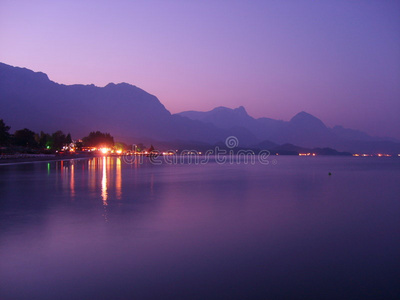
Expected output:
{"points": [[72, 180], [103, 229], [118, 179], [104, 182], [108, 168]]}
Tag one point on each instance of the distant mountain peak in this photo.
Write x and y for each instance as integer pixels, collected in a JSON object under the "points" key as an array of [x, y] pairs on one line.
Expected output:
{"points": [[121, 84], [42, 76], [239, 110], [305, 119], [221, 108], [23, 73], [302, 115]]}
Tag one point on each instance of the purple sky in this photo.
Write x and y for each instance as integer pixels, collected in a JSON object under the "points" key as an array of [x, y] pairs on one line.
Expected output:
{"points": [[338, 60]]}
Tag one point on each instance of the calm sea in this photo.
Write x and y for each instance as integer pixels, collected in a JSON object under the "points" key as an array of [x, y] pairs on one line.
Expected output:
{"points": [[104, 229]]}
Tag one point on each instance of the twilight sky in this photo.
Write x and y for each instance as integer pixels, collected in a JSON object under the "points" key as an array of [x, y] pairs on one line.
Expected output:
{"points": [[338, 60]]}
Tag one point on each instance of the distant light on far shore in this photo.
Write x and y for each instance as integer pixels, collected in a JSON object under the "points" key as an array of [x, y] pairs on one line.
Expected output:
{"points": [[105, 150]]}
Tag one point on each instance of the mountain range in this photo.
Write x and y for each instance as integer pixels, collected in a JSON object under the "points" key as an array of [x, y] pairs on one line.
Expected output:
{"points": [[31, 100], [303, 130]]}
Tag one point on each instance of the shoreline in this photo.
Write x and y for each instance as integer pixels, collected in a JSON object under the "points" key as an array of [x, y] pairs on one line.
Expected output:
{"points": [[36, 159]]}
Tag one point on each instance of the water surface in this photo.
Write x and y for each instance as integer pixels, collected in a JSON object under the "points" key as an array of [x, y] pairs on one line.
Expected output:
{"points": [[104, 229]]}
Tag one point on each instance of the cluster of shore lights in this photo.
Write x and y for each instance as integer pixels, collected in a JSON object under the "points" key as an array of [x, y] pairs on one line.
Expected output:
{"points": [[109, 150], [105, 150], [65, 148], [379, 155], [149, 153], [307, 154], [168, 153]]}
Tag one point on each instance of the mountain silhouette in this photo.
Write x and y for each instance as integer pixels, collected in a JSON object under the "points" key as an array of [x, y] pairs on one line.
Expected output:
{"points": [[31, 100], [303, 130]]}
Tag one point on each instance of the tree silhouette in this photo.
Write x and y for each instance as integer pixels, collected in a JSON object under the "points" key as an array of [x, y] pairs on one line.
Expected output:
{"points": [[98, 139], [59, 139], [44, 140], [25, 138], [4, 135], [68, 139]]}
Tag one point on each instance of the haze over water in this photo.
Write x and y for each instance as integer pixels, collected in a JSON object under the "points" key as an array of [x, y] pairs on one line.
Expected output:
{"points": [[103, 229]]}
